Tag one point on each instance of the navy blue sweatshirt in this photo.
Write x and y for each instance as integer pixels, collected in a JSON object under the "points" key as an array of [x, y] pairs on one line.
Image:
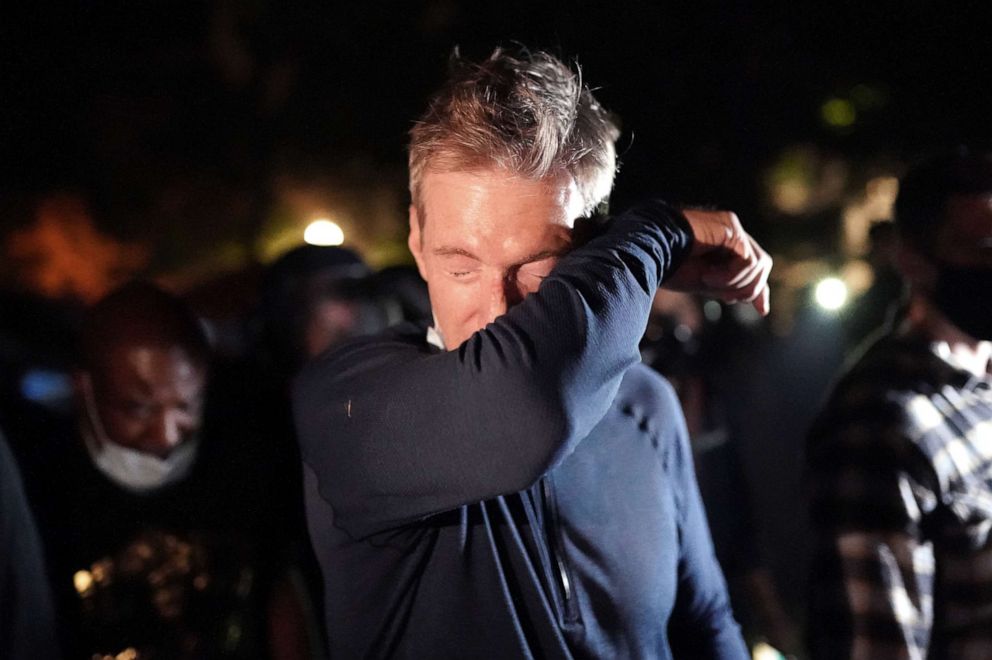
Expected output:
{"points": [[528, 495]]}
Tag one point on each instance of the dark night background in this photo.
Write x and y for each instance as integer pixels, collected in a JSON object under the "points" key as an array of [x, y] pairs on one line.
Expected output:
{"points": [[190, 140], [183, 126]]}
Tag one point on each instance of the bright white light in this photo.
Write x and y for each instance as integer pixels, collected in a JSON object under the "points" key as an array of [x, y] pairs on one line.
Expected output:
{"points": [[831, 294], [323, 232]]}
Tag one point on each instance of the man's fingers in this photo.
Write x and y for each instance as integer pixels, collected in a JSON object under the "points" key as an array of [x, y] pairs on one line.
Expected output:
{"points": [[763, 303], [743, 281], [766, 263], [738, 267], [745, 275], [741, 272], [757, 273]]}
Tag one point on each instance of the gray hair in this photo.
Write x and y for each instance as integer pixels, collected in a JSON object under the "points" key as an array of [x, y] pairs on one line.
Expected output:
{"points": [[527, 113]]}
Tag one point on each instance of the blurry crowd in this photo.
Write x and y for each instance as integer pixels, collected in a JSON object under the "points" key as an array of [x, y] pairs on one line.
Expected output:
{"points": [[159, 474], [203, 551], [151, 495]]}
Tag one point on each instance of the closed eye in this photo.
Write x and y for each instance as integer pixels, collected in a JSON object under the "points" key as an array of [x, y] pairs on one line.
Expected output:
{"points": [[463, 275], [538, 269], [457, 263], [537, 276]]}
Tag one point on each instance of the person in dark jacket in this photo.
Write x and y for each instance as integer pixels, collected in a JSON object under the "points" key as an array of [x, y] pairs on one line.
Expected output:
{"points": [[508, 482], [27, 620]]}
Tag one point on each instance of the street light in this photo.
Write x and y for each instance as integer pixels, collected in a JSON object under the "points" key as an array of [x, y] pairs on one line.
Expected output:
{"points": [[830, 293], [323, 232]]}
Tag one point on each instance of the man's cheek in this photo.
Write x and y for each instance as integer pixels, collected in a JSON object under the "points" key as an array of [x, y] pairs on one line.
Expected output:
{"points": [[123, 431], [450, 293], [458, 314]]}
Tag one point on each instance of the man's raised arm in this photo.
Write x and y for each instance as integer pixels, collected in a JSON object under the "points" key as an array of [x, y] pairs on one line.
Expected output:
{"points": [[396, 431]]}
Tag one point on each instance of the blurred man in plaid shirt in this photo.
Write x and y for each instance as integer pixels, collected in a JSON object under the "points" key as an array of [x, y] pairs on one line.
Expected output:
{"points": [[900, 461]]}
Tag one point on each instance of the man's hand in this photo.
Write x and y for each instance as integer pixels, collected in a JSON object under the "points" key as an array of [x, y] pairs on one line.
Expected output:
{"points": [[725, 262]]}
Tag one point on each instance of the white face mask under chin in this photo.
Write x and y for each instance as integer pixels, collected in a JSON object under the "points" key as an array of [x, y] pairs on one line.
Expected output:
{"points": [[130, 469]]}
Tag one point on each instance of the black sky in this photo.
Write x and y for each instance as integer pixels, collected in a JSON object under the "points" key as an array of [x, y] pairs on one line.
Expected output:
{"points": [[117, 100]]}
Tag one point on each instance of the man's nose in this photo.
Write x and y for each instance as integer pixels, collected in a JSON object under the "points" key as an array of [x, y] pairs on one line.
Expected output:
{"points": [[496, 304], [503, 294], [168, 432]]}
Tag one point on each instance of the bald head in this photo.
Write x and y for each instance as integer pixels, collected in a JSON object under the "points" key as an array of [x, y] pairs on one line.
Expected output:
{"points": [[141, 314], [143, 370]]}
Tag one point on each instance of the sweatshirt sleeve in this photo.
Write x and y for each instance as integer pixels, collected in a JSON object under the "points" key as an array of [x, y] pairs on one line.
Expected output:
{"points": [[396, 432]]}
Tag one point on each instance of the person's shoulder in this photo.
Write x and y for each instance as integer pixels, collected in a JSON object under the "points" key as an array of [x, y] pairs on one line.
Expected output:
{"points": [[890, 363], [642, 385], [649, 398], [871, 403]]}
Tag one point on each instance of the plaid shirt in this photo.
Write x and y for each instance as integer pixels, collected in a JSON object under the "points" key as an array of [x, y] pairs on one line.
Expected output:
{"points": [[900, 479]]}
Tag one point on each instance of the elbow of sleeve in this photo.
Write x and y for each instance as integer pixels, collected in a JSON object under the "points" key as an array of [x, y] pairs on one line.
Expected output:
{"points": [[549, 437], [552, 416]]}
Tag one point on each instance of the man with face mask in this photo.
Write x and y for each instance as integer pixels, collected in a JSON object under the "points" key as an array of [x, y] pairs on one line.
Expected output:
{"points": [[163, 528], [142, 390], [900, 460]]}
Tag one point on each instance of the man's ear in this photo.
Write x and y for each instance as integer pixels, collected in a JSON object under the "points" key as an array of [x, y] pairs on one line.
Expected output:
{"points": [[415, 241]]}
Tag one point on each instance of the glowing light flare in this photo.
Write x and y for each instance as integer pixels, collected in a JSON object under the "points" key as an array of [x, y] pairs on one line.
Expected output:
{"points": [[765, 651], [83, 581], [712, 311], [323, 232], [876, 204], [831, 294], [838, 113], [858, 276], [791, 196]]}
